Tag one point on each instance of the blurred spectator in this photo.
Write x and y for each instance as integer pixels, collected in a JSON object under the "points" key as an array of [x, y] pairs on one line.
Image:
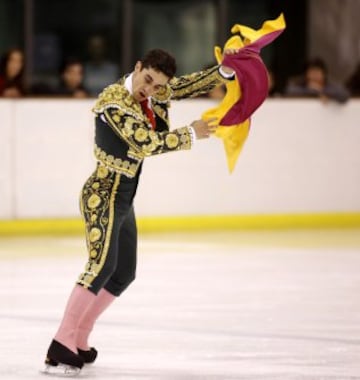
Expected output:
{"points": [[315, 83], [71, 79], [273, 87], [353, 83], [99, 72], [12, 65]]}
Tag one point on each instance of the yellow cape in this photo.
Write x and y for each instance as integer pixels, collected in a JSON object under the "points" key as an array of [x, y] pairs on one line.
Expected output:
{"points": [[234, 136]]}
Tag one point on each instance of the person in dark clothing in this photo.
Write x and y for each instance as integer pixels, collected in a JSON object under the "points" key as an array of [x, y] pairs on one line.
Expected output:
{"points": [[315, 83], [71, 79]]}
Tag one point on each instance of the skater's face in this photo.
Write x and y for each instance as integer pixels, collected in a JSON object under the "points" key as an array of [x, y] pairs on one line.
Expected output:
{"points": [[147, 82]]}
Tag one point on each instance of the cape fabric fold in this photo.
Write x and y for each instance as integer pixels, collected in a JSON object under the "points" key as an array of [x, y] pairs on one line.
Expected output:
{"points": [[250, 87]]}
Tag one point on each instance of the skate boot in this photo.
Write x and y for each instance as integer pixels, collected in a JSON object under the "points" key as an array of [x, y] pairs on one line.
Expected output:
{"points": [[88, 356], [62, 361]]}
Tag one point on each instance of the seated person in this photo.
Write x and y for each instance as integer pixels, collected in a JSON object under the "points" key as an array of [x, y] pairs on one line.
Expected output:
{"points": [[99, 70], [71, 81], [12, 74], [315, 83]]}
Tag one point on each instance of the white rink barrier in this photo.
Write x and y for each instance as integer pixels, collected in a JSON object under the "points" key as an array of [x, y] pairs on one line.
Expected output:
{"points": [[301, 156]]}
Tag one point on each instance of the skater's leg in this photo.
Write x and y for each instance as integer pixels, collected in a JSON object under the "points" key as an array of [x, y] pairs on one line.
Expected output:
{"points": [[80, 299], [102, 240], [121, 278], [125, 270], [102, 244], [101, 303], [62, 349]]}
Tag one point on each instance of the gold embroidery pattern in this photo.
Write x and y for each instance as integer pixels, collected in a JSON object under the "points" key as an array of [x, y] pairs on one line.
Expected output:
{"points": [[184, 138], [196, 84], [141, 134], [172, 140], [118, 165], [161, 112], [144, 141], [97, 200], [118, 97], [163, 95]]}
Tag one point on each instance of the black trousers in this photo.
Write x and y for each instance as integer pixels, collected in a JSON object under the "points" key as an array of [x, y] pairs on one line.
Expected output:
{"points": [[106, 204]]}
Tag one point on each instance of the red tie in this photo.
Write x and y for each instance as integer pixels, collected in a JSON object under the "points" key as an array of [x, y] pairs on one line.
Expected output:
{"points": [[149, 113]]}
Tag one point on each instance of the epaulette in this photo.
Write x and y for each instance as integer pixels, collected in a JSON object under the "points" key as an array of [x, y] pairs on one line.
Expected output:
{"points": [[163, 95], [116, 96]]}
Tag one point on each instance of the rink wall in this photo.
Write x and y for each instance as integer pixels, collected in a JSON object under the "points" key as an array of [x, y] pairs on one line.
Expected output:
{"points": [[301, 162]]}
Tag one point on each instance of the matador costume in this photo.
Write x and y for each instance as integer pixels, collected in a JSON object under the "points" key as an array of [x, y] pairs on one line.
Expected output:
{"points": [[123, 138]]}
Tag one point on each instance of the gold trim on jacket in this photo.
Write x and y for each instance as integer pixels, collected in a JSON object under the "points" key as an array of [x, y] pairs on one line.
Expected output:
{"points": [[127, 120], [190, 85], [143, 140], [126, 167]]}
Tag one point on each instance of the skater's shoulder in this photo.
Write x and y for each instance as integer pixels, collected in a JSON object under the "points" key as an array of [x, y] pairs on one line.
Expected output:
{"points": [[116, 95]]}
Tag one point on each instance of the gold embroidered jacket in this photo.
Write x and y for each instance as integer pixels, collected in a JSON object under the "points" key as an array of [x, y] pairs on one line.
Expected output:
{"points": [[123, 136]]}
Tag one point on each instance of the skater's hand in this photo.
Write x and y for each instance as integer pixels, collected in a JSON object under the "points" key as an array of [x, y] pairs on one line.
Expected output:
{"points": [[203, 129], [231, 51], [226, 69]]}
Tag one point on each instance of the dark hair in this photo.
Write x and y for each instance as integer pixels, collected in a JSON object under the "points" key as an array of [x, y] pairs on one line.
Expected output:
{"points": [[160, 60], [17, 81], [5, 59], [69, 61], [316, 63]]}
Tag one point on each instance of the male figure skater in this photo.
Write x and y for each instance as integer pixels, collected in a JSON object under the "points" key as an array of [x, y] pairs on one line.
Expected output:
{"points": [[131, 123]]}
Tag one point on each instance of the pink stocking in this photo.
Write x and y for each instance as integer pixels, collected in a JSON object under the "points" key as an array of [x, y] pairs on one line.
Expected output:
{"points": [[88, 319], [79, 301]]}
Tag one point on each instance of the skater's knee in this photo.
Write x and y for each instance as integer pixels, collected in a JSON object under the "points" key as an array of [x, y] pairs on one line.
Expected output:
{"points": [[125, 282], [131, 279], [117, 286]]}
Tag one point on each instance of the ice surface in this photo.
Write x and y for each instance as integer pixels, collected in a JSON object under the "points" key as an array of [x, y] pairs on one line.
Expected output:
{"points": [[221, 306]]}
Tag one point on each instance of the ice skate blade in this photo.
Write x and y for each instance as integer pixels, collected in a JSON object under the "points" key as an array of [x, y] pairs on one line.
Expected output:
{"points": [[61, 370]]}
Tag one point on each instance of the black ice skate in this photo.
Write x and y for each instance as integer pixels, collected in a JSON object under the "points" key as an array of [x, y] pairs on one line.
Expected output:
{"points": [[88, 356], [62, 361]]}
